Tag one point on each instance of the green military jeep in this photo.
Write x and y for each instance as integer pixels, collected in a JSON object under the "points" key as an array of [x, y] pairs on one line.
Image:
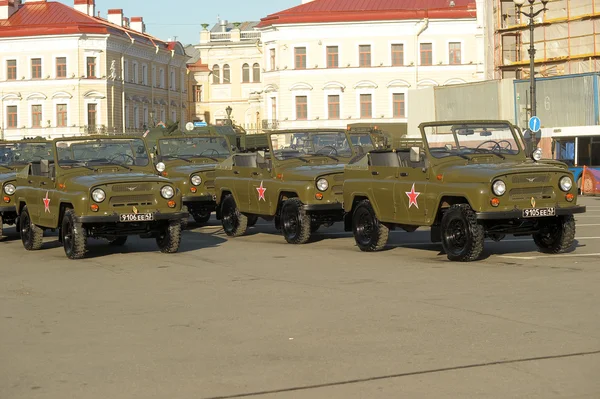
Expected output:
{"points": [[101, 187], [14, 155], [470, 180], [296, 181], [189, 162]]}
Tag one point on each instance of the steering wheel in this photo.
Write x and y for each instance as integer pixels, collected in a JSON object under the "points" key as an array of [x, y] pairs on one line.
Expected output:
{"points": [[213, 151], [331, 152], [507, 145], [124, 156]]}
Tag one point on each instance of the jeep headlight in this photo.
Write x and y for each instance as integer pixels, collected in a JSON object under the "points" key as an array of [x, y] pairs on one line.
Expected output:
{"points": [[167, 192], [499, 188], [161, 167], [322, 184], [196, 180], [537, 154], [98, 195], [565, 183], [9, 189]]}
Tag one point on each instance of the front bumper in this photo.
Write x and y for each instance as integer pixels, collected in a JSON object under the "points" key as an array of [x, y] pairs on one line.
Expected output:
{"points": [[518, 213], [114, 218], [198, 198], [11, 208], [323, 207]]}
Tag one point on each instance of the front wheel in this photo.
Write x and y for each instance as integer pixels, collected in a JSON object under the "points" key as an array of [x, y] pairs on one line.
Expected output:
{"points": [[170, 238], [295, 223], [556, 236], [31, 235], [462, 236], [74, 236], [234, 222], [369, 233]]}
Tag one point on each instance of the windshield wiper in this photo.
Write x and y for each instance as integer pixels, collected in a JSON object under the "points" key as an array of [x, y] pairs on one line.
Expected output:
{"points": [[487, 151], [178, 157], [206, 156], [82, 165], [117, 164], [326, 155]]}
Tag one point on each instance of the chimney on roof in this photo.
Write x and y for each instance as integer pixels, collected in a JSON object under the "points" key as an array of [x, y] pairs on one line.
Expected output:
{"points": [[115, 16], [137, 24], [86, 6], [8, 8], [223, 24]]}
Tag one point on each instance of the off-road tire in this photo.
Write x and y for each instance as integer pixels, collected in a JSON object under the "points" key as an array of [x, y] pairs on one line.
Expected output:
{"points": [[557, 237], [462, 236], [118, 241], [31, 235], [369, 233], [170, 238], [252, 220], [201, 217], [295, 222], [234, 222], [74, 236]]}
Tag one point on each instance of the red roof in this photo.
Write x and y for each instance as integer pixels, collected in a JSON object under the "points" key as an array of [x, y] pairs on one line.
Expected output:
{"points": [[319, 11], [52, 18]]}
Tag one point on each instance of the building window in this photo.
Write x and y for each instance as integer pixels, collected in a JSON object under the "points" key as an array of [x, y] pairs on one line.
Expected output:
{"points": [[272, 59], [136, 117], [198, 93], [216, 74], [11, 115], [153, 76], [36, 68], [398, 105], [135, 73], [91, 67], [11, 70], [366, 106], [173, 116], [126, 71], [127, 121], [301, 108], [61, 115], [61, 67], [145, 74], [300, 57], [162, 115], [426, 54], [454, 52], [36, 116], [226, 74], [397, 54], [245, 73], [91, 115], [161, 78], [364, 55], [333, 107], [332, 57], [145, 117], [256, 73], [172, 83]]}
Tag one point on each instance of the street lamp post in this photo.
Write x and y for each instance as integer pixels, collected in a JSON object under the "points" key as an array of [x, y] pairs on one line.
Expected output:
{"points": [[531, 15], [228, 110]]}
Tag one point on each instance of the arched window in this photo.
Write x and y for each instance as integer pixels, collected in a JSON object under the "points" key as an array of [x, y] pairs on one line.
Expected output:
{"points": [[226, 74], [256, 73], [216, 75], [245, 73]]}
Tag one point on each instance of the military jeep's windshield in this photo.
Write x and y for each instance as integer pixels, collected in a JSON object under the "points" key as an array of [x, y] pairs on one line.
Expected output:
{"points": [[24, 152], [469, 139], [363, 140], [306, 144], [193, 147], [98, 152]]}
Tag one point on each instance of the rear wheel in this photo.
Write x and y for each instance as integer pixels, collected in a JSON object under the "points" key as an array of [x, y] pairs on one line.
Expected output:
{"points": [[201, 217], [31, 235], [369, 233], [170, 238], [234, 222], [462, 236], [556, 236], [295, 223], [118, 241], [74, 236]]}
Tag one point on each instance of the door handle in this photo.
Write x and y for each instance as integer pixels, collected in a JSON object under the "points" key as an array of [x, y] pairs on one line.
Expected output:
{"points": [[30, 181], [236, 172], [43, 183], [255, 173], [404, 174], [375, 173]]}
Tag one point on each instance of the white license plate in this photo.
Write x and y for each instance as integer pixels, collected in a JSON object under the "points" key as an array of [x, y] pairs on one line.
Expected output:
{"points": [[538, 212], [133, 217]]}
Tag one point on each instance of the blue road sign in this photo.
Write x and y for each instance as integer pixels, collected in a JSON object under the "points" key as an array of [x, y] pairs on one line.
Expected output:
{"points": [[199, 124], [535, 124]]}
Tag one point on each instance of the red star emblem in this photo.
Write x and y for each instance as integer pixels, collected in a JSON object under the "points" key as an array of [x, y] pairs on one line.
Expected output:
{"points": [[412, 197], [261, 192], [46, 203]]}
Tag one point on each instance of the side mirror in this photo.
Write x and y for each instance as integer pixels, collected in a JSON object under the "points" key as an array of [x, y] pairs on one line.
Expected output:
{"points": [[415, 154]]}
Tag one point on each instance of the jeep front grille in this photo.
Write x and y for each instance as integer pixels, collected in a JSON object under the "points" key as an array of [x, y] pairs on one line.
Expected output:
{"points": [[131, 187], [338, 177], [522, 194], [531, 179], [337, 190], [209, 184], [131, 200]]}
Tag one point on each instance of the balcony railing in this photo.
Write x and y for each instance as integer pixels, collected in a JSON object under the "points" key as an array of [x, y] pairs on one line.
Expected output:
{"points": [[226, 36], [270, 124]]}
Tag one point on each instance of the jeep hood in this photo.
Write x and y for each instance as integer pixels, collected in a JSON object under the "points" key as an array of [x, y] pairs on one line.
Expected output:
{"points": [[311, 172], [7, 176], [189, 169], [477, 172], [112, 178]]}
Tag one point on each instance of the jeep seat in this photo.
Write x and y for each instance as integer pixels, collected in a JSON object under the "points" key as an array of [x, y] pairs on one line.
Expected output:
{"points": [[384, 159], [405, 162]]}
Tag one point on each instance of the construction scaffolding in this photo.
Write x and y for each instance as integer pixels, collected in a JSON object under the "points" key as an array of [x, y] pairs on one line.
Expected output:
{"points": [[567, 38]]}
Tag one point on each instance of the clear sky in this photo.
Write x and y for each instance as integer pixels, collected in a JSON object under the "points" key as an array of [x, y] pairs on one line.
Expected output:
{"points": [[182, 18]]}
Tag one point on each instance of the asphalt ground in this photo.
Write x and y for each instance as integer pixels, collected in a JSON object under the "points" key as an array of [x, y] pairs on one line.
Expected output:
{"points": [[254, 317]]}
